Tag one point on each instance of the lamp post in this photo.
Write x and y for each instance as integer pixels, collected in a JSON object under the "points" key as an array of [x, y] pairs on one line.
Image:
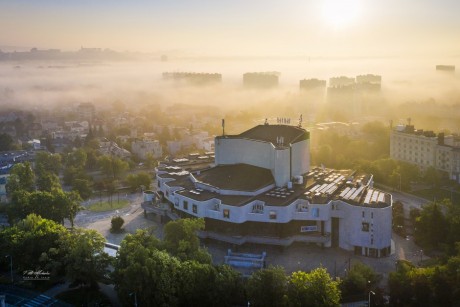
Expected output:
{"points": [[11, 267], [135, 298], [421, 256], [369, 299]]}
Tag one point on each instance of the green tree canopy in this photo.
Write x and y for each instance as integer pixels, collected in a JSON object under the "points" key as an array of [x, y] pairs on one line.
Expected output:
{"points": [[21, 178], [34, 243], [6, 142], [313, 289], [146, 271], [48, 162], [136, 181], [112, 167], [86, 262], [181, 240], [358, 280], [268, 287]]}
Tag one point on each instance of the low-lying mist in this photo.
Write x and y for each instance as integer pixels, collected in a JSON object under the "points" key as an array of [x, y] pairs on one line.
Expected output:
{"points": [[410, 88]]}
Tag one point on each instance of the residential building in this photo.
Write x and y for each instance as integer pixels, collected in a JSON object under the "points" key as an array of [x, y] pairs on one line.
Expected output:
{"points": [[261, 190], [142, 148], [426, 149], [312, 84], [86, 111]]}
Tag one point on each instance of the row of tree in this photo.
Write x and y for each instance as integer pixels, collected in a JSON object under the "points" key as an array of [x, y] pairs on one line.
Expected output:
{"points": [[178, 272], [437, 226], [38, 244], [369, 154]]}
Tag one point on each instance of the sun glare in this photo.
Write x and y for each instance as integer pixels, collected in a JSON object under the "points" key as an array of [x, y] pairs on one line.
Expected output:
{"points": [[340, 13]]}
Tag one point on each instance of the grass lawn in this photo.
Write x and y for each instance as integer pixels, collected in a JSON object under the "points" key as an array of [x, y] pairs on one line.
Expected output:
{"points": [[84, 297], [438, 194], [106, 206]]}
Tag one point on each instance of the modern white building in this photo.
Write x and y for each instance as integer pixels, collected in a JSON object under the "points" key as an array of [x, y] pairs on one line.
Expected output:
{"points": [[426, 149], [261, 190]]}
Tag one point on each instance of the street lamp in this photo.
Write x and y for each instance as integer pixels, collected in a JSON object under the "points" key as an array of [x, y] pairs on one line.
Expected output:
{"points": [[135, 298], [11, 267], [369, 300], [421, 256]]}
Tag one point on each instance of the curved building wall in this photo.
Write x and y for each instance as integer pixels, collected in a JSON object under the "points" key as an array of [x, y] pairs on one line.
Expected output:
{"points": [[234, 151], [300, 158], [364, 228], [284, 162]]}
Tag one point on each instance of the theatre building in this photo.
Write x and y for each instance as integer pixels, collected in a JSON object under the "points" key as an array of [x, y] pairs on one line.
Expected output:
{"points": [[261, 190]]}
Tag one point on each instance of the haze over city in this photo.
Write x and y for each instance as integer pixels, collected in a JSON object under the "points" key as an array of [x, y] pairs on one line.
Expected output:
{"points": [[229, 153], [238, 28]]}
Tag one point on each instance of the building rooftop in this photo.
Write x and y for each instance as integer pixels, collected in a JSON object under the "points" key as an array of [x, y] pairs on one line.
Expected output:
{"points": [[319, 186], [240, 177], [272, 133]]}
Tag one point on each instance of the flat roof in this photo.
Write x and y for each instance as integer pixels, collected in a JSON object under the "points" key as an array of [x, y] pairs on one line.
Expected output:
{"points": [[320, 186], [240, 177]]}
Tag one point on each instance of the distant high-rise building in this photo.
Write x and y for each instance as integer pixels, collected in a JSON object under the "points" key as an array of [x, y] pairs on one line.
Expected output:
{"points": [[448, 68], [312, 84], [193, 78], [261, 79], [86, 111]]}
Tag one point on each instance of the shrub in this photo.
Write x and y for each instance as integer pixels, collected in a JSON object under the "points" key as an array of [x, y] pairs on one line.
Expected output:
{"points": [[117, 223]]}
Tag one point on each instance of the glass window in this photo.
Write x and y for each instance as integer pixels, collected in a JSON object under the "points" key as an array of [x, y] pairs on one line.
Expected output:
{"points": [[365, 227], [226, 213], [194, 208], [273, 215], [185, 204]]}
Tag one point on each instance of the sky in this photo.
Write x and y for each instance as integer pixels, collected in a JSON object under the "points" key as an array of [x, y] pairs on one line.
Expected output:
{"points": [[237, 28]]}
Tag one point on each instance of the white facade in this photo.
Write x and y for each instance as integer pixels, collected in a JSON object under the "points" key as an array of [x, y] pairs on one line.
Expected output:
{"points": [[425, 149], [285, 162], [294, 204]]}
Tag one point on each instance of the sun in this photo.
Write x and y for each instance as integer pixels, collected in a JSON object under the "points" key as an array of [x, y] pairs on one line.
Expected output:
{"points": [[340, 13]]}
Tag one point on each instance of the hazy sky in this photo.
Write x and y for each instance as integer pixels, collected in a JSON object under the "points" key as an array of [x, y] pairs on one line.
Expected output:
{"points": [[238, 27]]}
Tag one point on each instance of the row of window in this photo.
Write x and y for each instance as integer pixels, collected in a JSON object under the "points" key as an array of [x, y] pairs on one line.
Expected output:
{"points": [[364, 214], [194, 207]]}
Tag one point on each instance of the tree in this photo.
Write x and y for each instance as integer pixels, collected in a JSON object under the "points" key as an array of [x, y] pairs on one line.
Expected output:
{"points": [[146, 271], [48, 162], [48, 181], [86, 262], [21, 178], [181, 240], [6, 142], [55, 205], [313, 289], [117, 222], [431, 227], [149, 161], [136, 181], [71, 201], [35, 244], [268, 287], [399, 284], [83, 187], [76, 158], [358, 280], [432, 176], [112, 167]]}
